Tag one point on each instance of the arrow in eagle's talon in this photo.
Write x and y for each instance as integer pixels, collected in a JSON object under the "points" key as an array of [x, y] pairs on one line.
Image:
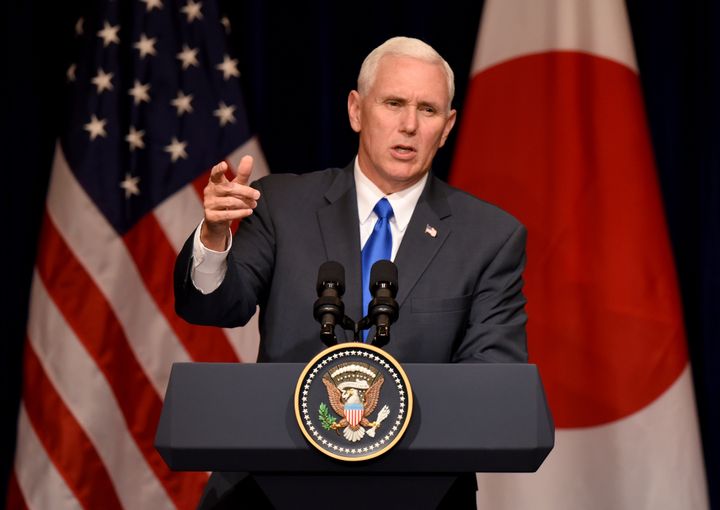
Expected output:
{"points": [[384, 412]]}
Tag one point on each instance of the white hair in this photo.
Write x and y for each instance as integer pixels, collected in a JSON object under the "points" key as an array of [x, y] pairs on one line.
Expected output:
{"points": [[403, 47]]}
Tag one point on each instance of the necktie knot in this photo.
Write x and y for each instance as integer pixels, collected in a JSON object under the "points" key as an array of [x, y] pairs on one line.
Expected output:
{"points": [[383, 209]]}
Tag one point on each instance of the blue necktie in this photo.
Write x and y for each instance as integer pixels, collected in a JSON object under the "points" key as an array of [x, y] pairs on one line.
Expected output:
{"points": [[377, 247]]}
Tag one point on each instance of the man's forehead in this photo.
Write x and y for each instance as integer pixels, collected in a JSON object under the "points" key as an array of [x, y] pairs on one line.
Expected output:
{"points": [[392, 61], [410, 79]]}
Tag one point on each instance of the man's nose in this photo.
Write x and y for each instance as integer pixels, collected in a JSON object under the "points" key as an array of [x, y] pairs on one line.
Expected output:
{"points": [[409, 121]]}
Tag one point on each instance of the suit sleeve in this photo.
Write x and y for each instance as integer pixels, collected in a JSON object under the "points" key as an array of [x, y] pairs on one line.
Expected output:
{"points": [[249, 272], [496, 323]]}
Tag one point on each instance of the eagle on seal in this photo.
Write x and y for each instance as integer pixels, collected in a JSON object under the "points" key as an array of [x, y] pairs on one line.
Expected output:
{"points": [[354, 405]]}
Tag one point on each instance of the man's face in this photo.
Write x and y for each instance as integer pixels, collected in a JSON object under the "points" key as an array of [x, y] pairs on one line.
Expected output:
{"points": [[402, 120]]}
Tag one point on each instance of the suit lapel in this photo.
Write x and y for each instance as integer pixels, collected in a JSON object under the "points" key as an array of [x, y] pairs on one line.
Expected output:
{"points": [[425, 235], [339, 225]]}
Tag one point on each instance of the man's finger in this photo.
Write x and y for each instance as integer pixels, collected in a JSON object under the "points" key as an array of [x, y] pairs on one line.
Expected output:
{"points": [[242, 192], [244, 170], [224, 203], [217, 173]]}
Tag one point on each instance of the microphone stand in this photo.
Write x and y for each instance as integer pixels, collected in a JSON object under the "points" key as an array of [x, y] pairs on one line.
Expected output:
{"points": [[362, 325], [328, 337]]}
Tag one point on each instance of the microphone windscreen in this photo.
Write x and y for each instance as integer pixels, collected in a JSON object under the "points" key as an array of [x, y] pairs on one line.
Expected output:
{"points": [[383, 271], [331, 272]]}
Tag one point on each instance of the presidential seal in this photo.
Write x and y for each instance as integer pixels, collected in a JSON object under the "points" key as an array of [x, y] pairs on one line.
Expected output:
{"points": [[353, 401]]}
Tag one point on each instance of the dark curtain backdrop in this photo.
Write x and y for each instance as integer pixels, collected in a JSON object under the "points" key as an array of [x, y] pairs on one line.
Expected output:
{"points": [[299, 62]]}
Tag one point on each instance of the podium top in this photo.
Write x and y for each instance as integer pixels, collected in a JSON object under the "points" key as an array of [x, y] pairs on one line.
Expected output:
{"points": [[467, 417]]}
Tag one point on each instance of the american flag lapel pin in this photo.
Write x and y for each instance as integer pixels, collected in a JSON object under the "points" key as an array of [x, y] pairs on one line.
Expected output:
{"points": [[431, 231]]}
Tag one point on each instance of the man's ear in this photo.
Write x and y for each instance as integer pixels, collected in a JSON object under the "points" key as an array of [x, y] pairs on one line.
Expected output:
{"points": [[354, 103], [449, 123]]}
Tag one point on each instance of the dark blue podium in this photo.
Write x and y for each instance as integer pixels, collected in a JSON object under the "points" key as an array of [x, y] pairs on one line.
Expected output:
{"points": [[466, 418]]}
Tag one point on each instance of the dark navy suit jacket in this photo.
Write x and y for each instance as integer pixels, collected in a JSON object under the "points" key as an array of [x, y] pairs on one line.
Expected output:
{"points": [[459, 290]]}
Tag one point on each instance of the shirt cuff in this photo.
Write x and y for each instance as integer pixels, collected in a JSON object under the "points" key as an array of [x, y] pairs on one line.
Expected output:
{"points": [[209, 266]]}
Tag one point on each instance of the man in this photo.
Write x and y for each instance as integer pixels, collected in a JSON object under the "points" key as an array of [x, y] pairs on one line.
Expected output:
{"points": [[459, 260]]}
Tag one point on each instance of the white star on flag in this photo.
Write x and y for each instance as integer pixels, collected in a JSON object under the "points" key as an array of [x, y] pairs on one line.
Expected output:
{"points": [[151, 4], [192, 9], [146, 46], [225, 113], [134, 138], [96, 127], [140, 92], [103, 81], [71, 72], [176, 149], [229, 67], [79, 26], [130, 185], [182, 103], [188, 57], [109, 34]]}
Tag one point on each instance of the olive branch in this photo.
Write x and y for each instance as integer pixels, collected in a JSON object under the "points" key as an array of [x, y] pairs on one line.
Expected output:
{"points": [[326, 419]]}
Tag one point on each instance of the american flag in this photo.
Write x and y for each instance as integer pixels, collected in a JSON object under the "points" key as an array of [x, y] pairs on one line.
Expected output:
{"points": [[153, 100]]}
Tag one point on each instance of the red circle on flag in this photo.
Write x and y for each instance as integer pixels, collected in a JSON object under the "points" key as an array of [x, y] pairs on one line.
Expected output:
{"points": [[560, 141]]}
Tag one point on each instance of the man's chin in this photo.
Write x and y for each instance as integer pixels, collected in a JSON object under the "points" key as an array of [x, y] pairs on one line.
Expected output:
{"points": [[400, 180]]}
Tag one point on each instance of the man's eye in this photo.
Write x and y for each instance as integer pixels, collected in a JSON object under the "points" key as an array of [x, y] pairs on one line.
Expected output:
{"points": [[393, 103], [428, 110]]}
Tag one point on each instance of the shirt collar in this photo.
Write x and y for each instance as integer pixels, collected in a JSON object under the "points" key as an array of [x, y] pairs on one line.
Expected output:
{"points": [[403, 202]]}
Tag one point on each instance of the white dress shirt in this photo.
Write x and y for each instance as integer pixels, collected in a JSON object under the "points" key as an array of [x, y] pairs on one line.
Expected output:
{"points": [[209, 266], [402, 202]]}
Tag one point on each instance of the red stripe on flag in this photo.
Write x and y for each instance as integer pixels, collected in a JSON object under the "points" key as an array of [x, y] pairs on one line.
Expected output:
{"points": [[87, 312], [65, 441], [154, 257], [15, 499], [559, 140]]}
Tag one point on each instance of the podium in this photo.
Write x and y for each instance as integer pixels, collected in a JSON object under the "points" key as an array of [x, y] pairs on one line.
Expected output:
{"points": [[466, 418]]}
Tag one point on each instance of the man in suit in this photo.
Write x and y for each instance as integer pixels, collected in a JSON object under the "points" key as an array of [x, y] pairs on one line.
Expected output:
{"points": [[459, 260]]}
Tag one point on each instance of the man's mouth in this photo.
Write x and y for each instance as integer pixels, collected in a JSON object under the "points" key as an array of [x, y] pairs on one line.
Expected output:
{"points": [[403, 149]]}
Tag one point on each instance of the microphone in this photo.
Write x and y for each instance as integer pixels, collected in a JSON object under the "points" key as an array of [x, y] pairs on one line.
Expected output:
{"points": [[383, 309], [329, 309]]}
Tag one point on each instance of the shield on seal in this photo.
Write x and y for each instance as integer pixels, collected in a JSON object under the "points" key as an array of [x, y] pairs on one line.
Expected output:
{"points": [[354, 413]]}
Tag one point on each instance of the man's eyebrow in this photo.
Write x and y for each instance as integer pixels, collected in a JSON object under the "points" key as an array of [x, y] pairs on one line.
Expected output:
{"points": [[400, 99], [429, 103], [392, 97]]}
